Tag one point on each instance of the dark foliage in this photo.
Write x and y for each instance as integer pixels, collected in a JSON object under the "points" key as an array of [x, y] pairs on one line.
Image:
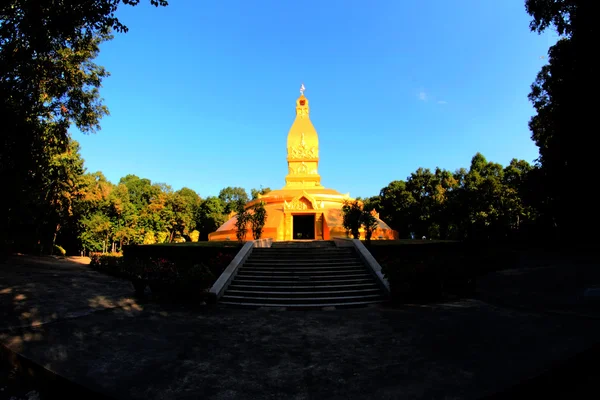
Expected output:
{"points": [[110, 264], [434, 271], [563, 125], [176, 273], [48, 81]]}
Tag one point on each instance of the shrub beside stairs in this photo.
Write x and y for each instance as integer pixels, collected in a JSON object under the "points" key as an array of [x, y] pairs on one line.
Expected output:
{"points": [[303, 275]]}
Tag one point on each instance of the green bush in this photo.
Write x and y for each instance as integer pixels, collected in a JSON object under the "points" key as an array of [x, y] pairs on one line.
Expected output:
{"points": [[193, 282], [111, 263], [175, 272], [412, 279], [424, 273], [161, 237], [58, 249], [181, 253], [149, 238], [194, 236]]}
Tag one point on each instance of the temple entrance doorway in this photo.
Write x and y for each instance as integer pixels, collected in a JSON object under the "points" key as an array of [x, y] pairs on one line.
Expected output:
{"points": [[303, 227]]}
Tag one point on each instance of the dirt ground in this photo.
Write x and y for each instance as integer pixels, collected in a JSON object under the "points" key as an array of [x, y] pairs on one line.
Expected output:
{"points": [[86, 327]]}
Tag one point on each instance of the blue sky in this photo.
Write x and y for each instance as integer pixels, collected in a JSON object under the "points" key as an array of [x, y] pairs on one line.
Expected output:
{"points": [[202, 94]]}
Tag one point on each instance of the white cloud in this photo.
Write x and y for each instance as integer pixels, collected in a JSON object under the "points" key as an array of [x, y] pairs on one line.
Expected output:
{"points": [[423, 95]]}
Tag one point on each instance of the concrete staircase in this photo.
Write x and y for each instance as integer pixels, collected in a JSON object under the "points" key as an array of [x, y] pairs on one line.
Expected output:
{"points": [[303, 275]]}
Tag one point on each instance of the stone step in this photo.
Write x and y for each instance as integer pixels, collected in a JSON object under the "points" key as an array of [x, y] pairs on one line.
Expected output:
{"points": [[297, 294], [293, 248], [302, 250], [304, 277], [299, 259], [330, 277], [300, 300], [304, 243], [275, 260], [315, 265], [302, 254], [327, 275], [301, 307], [299, 287], [292, 268], [318, 261], [302, 272], [254, 257], [305, 251], [287, 281], [294, 279]]}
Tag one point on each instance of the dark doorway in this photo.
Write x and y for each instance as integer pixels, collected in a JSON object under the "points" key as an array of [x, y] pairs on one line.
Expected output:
{"points": [[304, 227]]}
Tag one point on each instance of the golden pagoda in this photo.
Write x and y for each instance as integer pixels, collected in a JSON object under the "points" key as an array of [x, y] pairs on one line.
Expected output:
{"points": [[303, 209]]}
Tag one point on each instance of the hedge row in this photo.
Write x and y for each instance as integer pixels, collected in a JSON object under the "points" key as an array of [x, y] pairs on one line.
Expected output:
{"points": [[424, 273], [108, 263], [173, 272]]}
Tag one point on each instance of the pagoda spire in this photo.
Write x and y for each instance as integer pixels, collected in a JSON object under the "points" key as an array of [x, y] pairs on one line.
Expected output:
{"points": [[302, 149]]}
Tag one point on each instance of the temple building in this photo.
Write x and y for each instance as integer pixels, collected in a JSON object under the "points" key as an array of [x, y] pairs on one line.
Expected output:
{"points": [[303, 209]]}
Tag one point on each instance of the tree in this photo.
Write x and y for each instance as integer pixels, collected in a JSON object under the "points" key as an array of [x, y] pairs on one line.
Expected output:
{"points": [[351, 213], [420, 205], [141, 191], [256, 192], [485, 202], [446, 184], [369, 223], [396, 204], [568, 17], [124, 218], [258, 218], [48, 81], [149, 238], [562, 125], [516, 210], [194, 235], [183, 204], [372, 203], [422, 185], [210, 215], [242, 218], [62, 186], [163, 211], [191, 198], [231, 196], [481, 199], [96, 233]]}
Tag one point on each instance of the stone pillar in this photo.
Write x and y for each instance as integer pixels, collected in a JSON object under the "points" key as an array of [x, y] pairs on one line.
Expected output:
{"points": [[319, 222], [287, 223]]}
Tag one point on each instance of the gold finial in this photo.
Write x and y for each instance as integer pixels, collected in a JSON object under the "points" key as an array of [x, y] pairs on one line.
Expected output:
{"points": [[302, 89]]}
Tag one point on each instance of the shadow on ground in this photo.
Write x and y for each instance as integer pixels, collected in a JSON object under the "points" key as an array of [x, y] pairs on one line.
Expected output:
{"points": [[39, 290], [87, 328]]}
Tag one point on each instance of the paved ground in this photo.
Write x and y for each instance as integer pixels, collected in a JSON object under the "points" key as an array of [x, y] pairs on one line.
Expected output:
{"points": [[554, 287], [86, 327], [37, 290]]}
